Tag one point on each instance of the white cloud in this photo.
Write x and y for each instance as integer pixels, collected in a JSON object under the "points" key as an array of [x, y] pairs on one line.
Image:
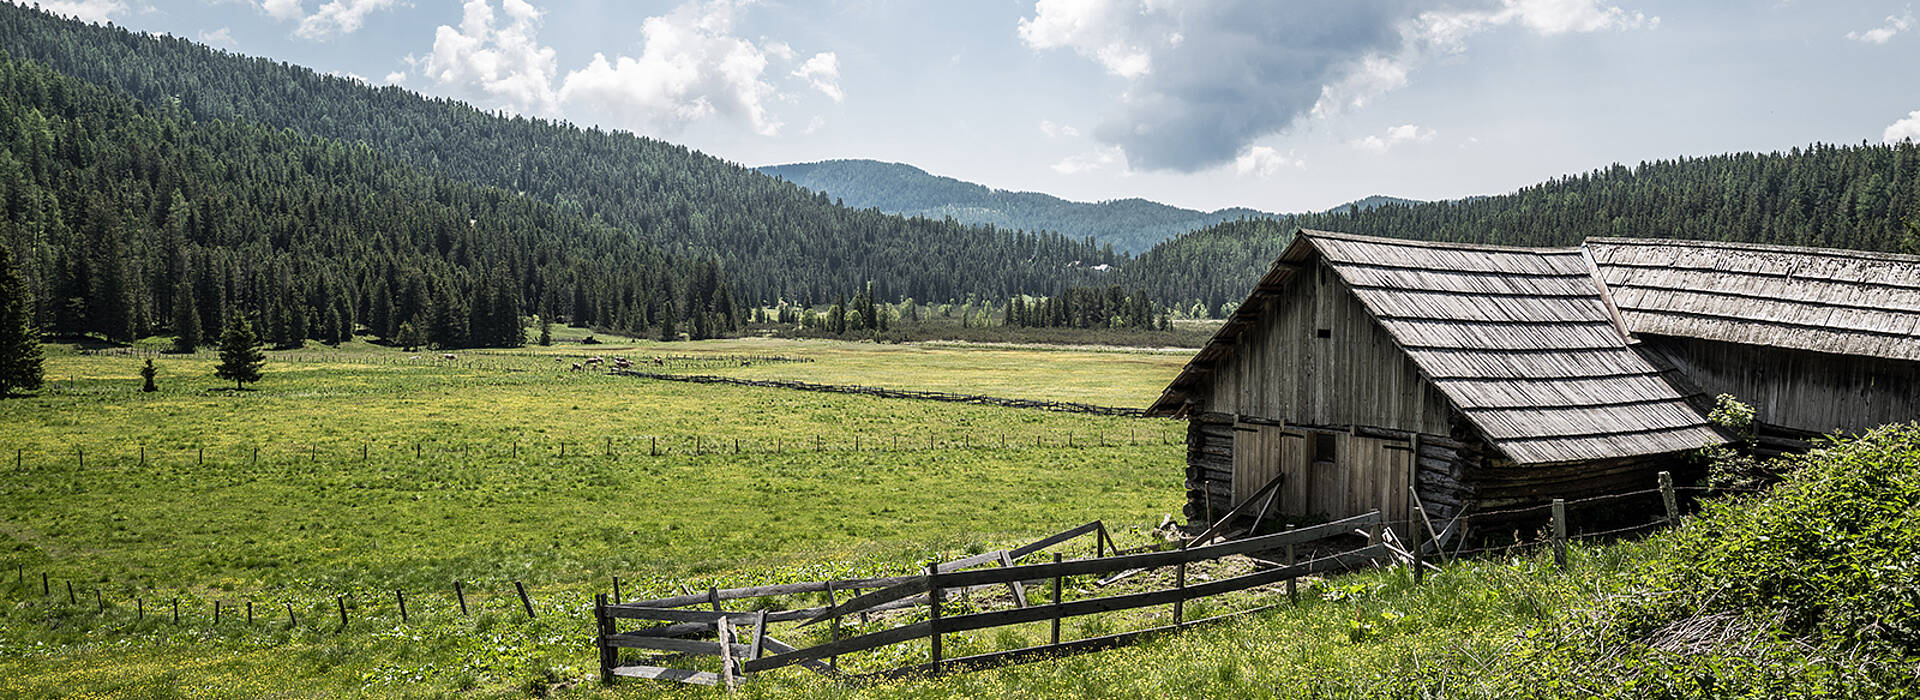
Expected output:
{"points": [[1907, 129], [395, 78], [502, 64], [85, 10], [814, 125], [1885, 32], [1104, 158], [1265, 161], [690, 67], [1104, 30], [1054, 131], [338, 17], [1206, 79], [222, 35], [1405, 133], [283, 10], [823, 72]]}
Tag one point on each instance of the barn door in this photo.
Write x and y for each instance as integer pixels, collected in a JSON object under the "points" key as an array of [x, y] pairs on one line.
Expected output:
{"points": [[1258, 452], [1352, 475]]}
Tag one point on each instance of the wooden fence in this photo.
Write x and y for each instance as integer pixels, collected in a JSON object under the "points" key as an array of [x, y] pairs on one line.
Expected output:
{"points": [[882, 392], [686, 632]]}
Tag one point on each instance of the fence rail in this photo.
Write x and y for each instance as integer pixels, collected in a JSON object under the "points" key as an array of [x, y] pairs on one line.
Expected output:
{"points": [[882, 392], [933, 589]]}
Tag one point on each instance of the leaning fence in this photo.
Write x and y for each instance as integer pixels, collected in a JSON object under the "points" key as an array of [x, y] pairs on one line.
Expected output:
{"points": [[685, 633]]}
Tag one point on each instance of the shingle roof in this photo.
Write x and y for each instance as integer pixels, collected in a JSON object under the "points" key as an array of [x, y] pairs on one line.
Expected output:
{"points": [[1833, 301], [1520, 340]]}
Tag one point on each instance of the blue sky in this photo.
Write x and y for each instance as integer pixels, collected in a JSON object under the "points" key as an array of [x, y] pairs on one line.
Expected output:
{"points": [[1281, 106]]}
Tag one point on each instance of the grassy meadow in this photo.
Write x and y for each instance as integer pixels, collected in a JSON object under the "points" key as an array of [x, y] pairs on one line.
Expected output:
{"points": [[818, 488], [364, 469]]}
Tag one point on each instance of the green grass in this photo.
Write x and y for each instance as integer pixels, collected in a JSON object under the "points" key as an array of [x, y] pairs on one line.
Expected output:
{"points": [[823, 484], [1822, 574]]}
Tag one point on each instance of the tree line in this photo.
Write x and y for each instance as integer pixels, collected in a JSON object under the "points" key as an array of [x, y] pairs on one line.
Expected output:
{"points": [[773, 240], [128, 219], [1863, 197]]}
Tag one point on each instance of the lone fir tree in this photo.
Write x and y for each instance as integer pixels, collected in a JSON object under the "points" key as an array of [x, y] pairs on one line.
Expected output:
{"points": [[147, 373], [20, 367], [240, 355]]}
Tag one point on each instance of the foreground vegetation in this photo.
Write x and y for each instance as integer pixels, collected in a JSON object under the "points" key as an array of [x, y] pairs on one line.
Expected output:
{"points": [[1809, 591]]}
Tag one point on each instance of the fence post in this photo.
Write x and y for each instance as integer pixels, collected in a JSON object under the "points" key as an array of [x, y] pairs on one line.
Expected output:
{"points": [[1560, 532], [99, 600], [833, 601], [202, 458], [609, 445], [1667, 497], [759, 635], [1293, 586], [398, 596], [460, 593], [70, 598], [934, 594], [44, 590], [140, 608], [216, 612], [1056, 602], [249, 613], [654, 449], [525, 602], [724, 633], [342, 601], [1180, 602], [176, 611], [143, 455], [616, 589], [291, 620], [603, 624]]}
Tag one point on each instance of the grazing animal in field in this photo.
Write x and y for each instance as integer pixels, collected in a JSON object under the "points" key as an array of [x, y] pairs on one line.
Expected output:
{"points": [[622, 363], [594, 361], [447, 356], [657, 362], [577, 368]]}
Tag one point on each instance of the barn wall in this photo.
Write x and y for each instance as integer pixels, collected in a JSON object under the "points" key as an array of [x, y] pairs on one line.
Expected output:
{"points": [[1808, 391], [1282, 371]]}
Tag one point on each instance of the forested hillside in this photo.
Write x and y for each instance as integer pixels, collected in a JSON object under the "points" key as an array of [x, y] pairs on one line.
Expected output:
{"points": [[1130, 225], [773, 238], [1864, 197], [129, 219]]}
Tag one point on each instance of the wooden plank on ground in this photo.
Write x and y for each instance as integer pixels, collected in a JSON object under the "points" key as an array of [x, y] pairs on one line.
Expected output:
{"points": [[668, 674], [684, 646]]}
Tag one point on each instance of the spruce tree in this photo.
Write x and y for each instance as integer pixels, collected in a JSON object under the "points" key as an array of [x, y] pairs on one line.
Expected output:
{"points": [[240, 356], [546, 329], [19, 341], [186, 318]]}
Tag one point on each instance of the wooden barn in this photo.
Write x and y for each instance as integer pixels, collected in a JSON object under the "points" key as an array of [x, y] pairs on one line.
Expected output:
{"points": [[1360, 368], [1816, 340]]}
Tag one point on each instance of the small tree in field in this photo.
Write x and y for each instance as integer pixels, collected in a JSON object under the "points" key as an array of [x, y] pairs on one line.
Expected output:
{"points": [[19, 340], [410, 336], [546, 331], [147, 373], [240, 356]]}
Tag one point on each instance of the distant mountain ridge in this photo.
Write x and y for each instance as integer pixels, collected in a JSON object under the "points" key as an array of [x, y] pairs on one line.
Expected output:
{"points": [[1131, 225]]}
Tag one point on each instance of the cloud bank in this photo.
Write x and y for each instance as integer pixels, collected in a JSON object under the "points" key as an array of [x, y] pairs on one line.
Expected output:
{"points": [[1907, 129], [1205, 78], [690, 66]]}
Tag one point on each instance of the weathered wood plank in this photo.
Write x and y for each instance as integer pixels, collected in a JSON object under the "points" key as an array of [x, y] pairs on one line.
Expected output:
{"points": [[684, 646], [668, 674]]}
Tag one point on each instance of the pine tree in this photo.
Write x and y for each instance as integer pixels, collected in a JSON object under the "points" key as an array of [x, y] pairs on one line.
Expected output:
{"points": [[186, 318], [147, 373], [20, 367], [240, 356], [546, 329], [409, 336]]}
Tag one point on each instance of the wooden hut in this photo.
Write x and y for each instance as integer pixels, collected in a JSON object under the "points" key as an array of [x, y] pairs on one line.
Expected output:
{"points": [[1816, 340], [1363, 369]]}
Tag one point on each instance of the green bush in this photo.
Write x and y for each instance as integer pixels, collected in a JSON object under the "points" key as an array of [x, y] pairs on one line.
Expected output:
{"points": [[1811, 590]]}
